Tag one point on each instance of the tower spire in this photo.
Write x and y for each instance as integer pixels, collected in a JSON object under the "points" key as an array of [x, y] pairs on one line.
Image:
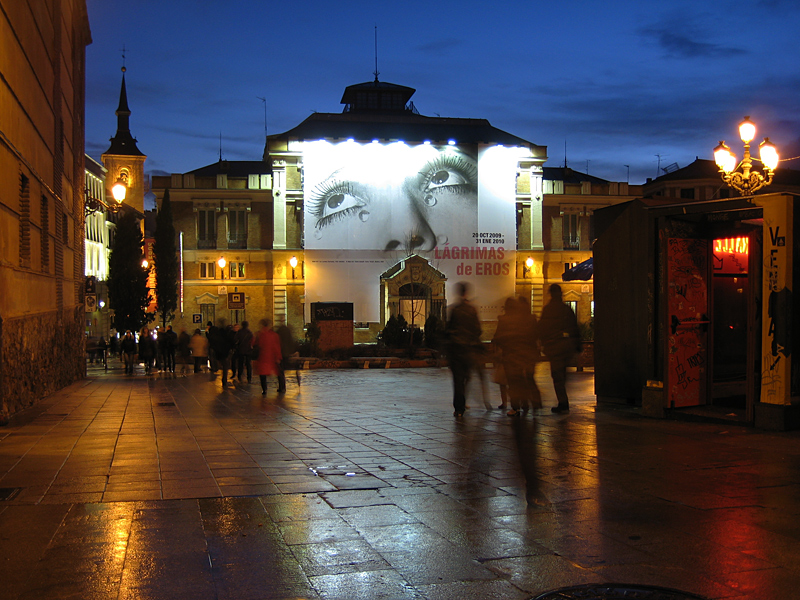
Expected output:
{"points": [[123, 143]]}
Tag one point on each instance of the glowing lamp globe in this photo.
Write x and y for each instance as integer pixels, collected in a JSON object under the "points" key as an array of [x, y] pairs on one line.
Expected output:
{"points": [[725, 159], [769, 154], [747, 130]]}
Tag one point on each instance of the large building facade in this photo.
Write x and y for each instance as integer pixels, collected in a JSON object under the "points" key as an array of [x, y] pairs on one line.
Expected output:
{"points": [[381, 210], [42, 74]]}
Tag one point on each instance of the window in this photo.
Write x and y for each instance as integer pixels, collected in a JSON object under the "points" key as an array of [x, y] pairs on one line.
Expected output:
{"points": [[24, 222], [569, 231], [207, 313], [45, 235], [208, 270], [687, 193], [237, 228], [206, 228], [236, 270]]}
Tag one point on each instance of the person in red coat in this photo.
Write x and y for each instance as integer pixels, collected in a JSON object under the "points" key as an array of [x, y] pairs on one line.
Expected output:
{"points": [[268, 348]]}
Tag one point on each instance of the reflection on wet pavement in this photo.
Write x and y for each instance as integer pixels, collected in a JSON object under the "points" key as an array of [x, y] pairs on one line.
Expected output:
{"points": [[360, 484]]}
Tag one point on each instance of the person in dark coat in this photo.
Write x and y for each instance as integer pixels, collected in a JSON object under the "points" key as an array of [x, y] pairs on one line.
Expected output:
{"points": [[183, 352], [288, 349], [147, 349], [220, 340], [167, 344], [127, 348], [560, 338], [463, 334], [243, 342]]}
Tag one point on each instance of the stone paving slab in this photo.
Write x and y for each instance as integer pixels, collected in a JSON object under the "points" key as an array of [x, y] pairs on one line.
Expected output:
{"points": [[361, 484]]}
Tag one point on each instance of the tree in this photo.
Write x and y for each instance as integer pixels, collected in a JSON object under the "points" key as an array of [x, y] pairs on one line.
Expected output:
{"points": [[127, 278], [166, 262]]}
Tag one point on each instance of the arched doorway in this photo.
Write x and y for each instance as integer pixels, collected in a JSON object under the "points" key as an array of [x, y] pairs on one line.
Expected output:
{"points": [[415, 290]]}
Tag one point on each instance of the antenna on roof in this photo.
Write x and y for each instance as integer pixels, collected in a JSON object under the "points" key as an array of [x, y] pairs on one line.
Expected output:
{"points": [[220, 146], [658, 169], [376, 54], [123, 58], [565, 154], [264, 100], [629, 172]]}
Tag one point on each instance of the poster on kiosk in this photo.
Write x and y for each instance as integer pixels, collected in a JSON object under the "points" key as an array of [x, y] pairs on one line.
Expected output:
{"points": [[368, 206]]}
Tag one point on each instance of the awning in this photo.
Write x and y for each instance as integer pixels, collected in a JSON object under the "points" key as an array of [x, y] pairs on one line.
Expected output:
{"points": [[580, 272]]}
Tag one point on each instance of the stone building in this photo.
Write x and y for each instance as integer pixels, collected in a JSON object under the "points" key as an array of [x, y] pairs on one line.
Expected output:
{"points": [[270, 220], [42, 92], [225, 211]]}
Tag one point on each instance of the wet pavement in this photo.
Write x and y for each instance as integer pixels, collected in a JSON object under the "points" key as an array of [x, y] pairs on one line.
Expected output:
{"points": [[361, 484]]}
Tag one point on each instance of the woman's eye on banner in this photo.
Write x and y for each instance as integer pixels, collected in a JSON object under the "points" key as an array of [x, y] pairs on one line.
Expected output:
{"points": [[334, 200]]}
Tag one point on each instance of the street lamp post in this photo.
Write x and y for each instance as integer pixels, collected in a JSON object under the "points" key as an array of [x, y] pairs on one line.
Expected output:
{"points": [[747, 181], [222, 262], [293, 264]]}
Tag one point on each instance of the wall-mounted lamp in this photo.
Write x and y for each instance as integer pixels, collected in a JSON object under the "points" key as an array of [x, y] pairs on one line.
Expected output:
{"points": [[92, 204], [221, 263], [528, 267], [293, 264]]}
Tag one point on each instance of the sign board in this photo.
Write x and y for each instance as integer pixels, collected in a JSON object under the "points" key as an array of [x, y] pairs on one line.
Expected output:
{"points": [[90, 302], [91, 285], [197, 318], [236, 301]]}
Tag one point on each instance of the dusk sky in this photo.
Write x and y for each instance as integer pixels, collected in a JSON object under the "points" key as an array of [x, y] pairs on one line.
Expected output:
{"points": [[618, 82]]}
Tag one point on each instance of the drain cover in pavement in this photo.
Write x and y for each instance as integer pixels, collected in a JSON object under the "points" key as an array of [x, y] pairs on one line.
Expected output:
{"points": [[617, 591]]}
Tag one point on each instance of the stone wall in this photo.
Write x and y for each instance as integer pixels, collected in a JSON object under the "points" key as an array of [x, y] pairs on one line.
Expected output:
{"points": [[40, 354]]}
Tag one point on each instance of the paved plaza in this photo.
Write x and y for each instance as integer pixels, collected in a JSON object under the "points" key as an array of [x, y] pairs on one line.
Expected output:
{"points": [[360, 484]]}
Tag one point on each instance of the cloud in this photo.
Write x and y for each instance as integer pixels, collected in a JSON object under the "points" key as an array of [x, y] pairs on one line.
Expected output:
{"points": [[679, 37], [439, 46]]}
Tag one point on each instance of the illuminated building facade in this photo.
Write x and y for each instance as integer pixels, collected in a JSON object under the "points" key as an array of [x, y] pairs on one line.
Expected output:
{"points": [[42, 74], [384, 210]]}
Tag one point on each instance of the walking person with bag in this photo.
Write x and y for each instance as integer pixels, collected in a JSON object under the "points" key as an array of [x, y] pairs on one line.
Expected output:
{"points": [[516, 339], [561, 341]]}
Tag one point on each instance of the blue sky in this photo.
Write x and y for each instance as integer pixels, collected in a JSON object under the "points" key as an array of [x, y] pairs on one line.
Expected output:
{"points": [[619, 83]]}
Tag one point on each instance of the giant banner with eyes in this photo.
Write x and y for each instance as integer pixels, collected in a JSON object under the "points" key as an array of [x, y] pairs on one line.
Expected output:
{"points": [[366, 206]]}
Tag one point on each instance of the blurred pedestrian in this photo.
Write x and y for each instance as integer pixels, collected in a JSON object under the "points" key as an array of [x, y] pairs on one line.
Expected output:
{"points": [[113, 346], [147, 349], [560, 337], [288, 350], [463, 334], [220, 340], [267, 348], [243, 343], [516, 338], [168, 349], [127, 347], [198, 345], [183, 352]]}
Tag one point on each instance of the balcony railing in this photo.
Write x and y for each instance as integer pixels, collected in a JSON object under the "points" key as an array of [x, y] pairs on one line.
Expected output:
{"points": [[572, 242], [237, 240], [206, 244]]}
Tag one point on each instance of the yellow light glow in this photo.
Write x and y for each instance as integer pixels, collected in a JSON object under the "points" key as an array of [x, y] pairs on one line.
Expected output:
{"points": [[119, 190], [145, 264], [293, 261], [747, 130], [222, 262], [725, 159], [769, 154], [529, 262]]}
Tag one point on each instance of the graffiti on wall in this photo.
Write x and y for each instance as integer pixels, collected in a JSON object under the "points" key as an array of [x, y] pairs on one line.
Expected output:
{"points": [[687, 302], [778, 329]]}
